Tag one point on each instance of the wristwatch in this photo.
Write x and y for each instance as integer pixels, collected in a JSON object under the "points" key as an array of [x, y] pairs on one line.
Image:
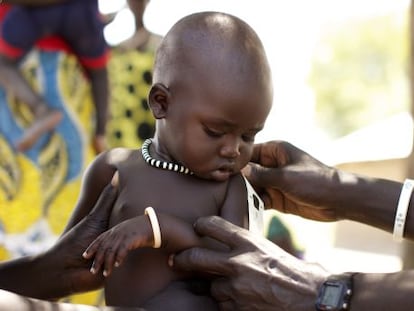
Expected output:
{"points": [[335, 293]]}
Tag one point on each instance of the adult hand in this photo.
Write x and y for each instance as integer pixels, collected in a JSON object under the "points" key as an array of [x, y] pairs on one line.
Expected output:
{"points": [[75, 270], [291, 181], [61, 270], [255, 274]]}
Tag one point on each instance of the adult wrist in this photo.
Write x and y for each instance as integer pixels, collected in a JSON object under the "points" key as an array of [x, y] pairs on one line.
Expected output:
{"points": [[335, 293], [53, 278], [32, 276], [377, 197]]}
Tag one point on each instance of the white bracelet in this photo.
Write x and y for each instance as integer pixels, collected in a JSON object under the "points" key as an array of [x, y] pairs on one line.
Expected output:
{"points": [[402, 209], [155, 226]]}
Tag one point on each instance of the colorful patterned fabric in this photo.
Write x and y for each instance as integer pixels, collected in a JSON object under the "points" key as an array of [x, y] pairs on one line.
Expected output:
{"points": [[38, 189]]}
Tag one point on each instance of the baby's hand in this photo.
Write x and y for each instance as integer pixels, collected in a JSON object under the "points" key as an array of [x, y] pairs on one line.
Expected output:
{"points": [[111, 247]]}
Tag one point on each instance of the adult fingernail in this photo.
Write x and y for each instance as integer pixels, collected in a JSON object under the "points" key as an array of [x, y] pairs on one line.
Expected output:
{"points": [[247, 170]]}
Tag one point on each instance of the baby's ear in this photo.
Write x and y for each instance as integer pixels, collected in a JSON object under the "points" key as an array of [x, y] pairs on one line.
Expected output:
{"points": [[158, 100]]}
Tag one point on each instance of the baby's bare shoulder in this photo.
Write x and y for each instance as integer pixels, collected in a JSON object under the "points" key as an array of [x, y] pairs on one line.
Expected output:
{"points": [[120, 155]]}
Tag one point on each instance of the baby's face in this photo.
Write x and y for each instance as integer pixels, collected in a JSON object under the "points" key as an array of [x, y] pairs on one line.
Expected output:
{"points": [[211, 126]]}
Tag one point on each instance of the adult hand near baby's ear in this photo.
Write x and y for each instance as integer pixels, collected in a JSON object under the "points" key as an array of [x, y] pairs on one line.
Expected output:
{"points": [[292, 181]]}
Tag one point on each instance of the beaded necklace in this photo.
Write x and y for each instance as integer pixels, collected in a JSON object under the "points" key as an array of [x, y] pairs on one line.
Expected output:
{"points": [[165, 165]]}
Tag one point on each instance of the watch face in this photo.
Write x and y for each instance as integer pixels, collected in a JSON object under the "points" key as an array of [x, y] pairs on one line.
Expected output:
{"points": [[335, 293], [331, 295]]}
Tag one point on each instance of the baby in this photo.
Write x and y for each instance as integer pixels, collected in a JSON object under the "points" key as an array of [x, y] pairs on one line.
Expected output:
{"points": [[211, 94]]}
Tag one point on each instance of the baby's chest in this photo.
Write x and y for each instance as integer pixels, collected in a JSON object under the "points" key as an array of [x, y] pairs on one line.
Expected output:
{"points": [[174, 196]]}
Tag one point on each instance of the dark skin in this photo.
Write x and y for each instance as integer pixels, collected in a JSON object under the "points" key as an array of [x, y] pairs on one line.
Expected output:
{"points": [[70, 274], [100, 94], [245, 282], [280, 281], [287, 165], [206, 120], [60, 271], [133, 229], [45, 119]]}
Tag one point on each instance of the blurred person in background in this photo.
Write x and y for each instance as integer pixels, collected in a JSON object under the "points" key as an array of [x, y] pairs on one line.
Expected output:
{"points": [[76, 25]]}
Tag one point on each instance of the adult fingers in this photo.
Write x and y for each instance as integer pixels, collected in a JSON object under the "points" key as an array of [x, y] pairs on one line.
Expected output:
{"points": [[212, 261], [271, 154], [260, 176], [203, 260], [220, 289], [221, 230], [256, 153]]}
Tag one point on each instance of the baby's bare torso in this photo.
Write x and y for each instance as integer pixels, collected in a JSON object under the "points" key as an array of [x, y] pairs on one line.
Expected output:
{"points": [[145, 272]]}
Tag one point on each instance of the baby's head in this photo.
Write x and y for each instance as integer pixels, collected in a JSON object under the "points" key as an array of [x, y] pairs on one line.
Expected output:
{"points": [[211, 94]]}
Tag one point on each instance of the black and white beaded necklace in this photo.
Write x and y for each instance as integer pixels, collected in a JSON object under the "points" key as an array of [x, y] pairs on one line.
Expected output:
{"points": [[165, 165]]}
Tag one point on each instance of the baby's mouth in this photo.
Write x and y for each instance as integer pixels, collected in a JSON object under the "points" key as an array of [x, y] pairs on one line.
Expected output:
{"points": [[223, 173]]}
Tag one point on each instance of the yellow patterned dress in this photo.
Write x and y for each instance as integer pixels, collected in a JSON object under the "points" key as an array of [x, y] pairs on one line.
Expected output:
{"points": [[39, 188]]}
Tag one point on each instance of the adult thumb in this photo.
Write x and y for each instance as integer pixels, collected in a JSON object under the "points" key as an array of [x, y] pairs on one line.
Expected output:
{"points": [[103, 206]]}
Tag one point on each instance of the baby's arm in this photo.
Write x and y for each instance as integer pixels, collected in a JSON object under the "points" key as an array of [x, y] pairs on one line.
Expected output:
{"points": [[234, 208], [111, 247]]}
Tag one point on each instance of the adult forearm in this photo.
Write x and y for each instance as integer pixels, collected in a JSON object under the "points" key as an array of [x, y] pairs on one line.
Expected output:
{"points": [[371, 201], [24, 281], [383, 292], [34, 277]]}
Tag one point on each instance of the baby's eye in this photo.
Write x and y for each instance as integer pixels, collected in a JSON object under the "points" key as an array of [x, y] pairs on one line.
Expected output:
{"points": [[249, 138], [213, 133]]}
